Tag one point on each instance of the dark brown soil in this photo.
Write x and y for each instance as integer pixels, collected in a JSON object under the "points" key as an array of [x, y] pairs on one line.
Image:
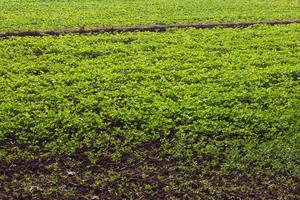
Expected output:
{"points": [[151, 28], [131, 178]]}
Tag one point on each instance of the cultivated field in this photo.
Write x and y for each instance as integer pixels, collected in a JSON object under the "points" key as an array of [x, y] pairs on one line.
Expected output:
{"points": [[185, 113], [57, 14]]}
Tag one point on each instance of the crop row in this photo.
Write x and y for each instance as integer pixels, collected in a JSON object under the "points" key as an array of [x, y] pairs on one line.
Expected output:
{"points": [[228, 99], [17, 15]]}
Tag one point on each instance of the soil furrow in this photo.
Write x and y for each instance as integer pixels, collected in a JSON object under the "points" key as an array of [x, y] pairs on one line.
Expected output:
{"points": [[141, 28]]}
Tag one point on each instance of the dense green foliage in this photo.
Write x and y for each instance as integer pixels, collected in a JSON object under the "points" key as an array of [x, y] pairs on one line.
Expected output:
{"points": [[50, 14], [225, 101]]}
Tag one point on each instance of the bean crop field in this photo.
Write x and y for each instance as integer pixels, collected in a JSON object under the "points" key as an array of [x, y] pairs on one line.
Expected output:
{"points": [[57, 14], [179, 114]]}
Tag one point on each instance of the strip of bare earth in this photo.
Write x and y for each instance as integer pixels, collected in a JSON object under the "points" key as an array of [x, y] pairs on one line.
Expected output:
{"points": [[141, 28]]}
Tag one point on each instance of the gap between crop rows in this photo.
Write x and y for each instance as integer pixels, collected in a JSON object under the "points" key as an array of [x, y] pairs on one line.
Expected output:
{"points": [[141, 28]]}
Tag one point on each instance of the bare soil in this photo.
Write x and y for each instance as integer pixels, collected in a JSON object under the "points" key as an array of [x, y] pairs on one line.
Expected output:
{"points": [[142, 28]]}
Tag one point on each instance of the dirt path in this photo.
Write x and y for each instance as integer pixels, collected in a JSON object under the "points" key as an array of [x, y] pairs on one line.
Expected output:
{"points": [[141, 28]]}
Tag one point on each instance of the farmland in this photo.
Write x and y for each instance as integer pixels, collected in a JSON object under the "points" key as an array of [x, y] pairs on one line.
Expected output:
{"points": [[175, 113], [189, 113], [20, 15]]}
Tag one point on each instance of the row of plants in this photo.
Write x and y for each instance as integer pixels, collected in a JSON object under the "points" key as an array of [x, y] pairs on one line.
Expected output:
{"points": [[18, 15], [213, 107]]}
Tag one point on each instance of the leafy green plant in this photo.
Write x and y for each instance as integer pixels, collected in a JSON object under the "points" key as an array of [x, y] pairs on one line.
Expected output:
{"points": [[211, 111], [49, 14]]}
